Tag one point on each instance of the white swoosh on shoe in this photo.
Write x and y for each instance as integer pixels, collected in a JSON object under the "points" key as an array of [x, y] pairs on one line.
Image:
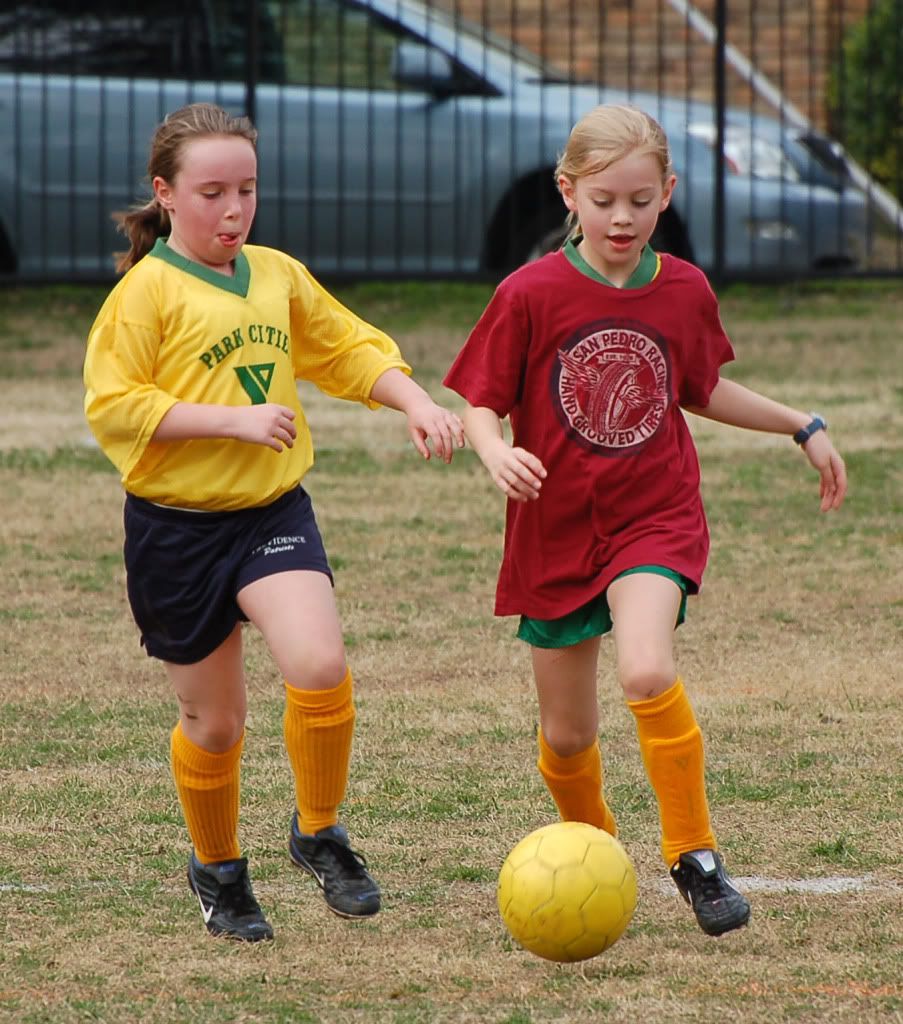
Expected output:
{"points": [[207, 912]]}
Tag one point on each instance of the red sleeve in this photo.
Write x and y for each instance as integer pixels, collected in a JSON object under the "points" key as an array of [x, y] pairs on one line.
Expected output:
{"points": [[488, 371], [708, 350]]}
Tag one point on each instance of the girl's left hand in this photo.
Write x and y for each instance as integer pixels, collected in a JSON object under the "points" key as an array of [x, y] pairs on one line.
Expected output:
{"points": [[444, 429], [826, 459]]}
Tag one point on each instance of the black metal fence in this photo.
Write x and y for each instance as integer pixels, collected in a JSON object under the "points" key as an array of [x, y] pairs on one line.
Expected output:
{"points": [[418, 139]]}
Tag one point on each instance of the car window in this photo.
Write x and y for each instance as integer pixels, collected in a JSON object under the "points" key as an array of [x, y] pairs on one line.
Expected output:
{"points": [[230, 30], [328, 43], [301, 42], [97, 37]]}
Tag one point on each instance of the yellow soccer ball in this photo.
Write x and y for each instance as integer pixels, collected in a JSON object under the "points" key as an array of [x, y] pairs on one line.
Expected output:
{"points": [[567, 891]]}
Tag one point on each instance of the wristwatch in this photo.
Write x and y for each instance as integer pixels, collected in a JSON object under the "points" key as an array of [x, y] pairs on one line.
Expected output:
{"points": [[817, 423]]}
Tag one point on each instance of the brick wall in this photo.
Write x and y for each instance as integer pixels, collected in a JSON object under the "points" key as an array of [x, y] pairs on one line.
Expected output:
{"points": [[648, 44]]}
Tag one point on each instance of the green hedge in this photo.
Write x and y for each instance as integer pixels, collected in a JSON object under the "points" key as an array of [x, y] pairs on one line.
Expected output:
{"points": [[866, 93]]}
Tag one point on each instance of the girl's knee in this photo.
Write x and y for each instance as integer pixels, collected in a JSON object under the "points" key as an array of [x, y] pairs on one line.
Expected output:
{"points": [[214, 730], [645, 680], [320, 670], [568, 738]]}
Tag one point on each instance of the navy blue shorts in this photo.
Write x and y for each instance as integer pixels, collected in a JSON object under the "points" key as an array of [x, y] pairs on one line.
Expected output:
{"points": [[184, 569]]}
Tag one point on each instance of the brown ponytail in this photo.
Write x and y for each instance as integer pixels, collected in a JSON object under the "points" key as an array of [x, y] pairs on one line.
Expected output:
{"points": [[142, 225]]}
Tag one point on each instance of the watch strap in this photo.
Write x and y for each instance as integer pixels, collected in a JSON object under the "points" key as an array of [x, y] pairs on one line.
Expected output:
{"points": [[817, 423]]}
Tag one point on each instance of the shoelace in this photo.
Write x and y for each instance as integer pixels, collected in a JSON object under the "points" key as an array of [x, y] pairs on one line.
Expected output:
{"points": [[238, 896], [348, 858], [713, 888]]}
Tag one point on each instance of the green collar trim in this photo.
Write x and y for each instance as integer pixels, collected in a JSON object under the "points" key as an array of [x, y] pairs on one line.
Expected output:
{"points": [[238, 284], [645, 273]]}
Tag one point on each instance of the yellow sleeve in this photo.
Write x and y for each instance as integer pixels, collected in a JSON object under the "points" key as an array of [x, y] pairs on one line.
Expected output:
{"points": [[335, 349], [123, 405]]}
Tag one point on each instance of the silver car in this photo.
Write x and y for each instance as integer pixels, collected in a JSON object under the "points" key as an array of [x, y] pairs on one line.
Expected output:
{"points": [[394, 140]]}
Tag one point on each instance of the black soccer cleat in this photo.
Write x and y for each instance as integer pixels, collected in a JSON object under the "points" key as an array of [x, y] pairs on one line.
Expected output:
{"points": [[718, 905], [339, 871], [227, 901]]}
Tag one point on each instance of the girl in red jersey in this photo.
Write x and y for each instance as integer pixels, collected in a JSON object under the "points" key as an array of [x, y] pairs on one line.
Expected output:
{"points": [[594, 352], [190, 376]]}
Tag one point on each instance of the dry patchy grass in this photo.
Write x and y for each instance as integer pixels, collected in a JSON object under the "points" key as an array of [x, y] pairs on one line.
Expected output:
{"points": [[791, 653]]}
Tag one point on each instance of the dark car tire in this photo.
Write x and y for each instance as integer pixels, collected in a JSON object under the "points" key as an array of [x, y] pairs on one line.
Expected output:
{"points": [[8, 262], [670, 236], [534, 233], [546, 234]]}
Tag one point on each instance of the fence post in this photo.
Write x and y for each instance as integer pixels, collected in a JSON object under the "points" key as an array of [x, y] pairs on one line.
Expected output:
{"points": [[252, 60], [720, 118]]}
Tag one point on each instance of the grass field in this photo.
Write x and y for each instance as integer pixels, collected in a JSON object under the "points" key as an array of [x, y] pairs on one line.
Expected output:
{"points": [[791, 653]]}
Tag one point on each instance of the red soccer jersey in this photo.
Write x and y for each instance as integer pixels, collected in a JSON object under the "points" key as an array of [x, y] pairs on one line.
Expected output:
{"points": [[593, 378]]}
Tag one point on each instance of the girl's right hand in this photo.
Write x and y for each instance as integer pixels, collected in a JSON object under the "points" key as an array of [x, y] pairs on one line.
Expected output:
{"points": [[516, 472], [826, 459], [270, 424]]}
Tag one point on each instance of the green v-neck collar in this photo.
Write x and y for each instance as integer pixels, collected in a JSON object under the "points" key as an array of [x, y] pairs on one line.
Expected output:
{"points": [[238, 284], [644, 274]]}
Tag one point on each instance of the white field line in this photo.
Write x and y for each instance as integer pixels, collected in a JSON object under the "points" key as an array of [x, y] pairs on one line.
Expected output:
{"points": [[829, 886]]}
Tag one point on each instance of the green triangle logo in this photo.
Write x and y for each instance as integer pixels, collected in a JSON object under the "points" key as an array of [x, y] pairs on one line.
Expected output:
{"points": [[256, 380]]}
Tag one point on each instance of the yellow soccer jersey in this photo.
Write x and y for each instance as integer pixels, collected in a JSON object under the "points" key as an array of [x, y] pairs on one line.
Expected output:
{"points": [[173, 330]]}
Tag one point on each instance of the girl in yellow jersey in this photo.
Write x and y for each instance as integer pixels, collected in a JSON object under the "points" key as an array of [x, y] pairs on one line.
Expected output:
{"points": [[190, 380]]}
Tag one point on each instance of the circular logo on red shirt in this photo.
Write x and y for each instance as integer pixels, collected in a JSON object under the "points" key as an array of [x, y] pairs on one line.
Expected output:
{"points": [[611, 386]]}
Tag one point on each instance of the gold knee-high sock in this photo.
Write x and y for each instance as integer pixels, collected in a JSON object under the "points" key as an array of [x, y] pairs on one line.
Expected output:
{"points": [[671, 745], [575, 783], [208, 788], [318, 727]]}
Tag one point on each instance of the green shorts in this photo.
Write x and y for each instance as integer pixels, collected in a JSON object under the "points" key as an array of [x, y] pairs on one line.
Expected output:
{"points": [[592, 618]]}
